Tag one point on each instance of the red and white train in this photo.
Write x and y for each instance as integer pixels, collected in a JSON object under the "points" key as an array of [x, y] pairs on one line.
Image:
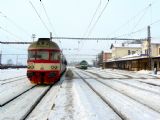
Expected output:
{"points": [[46, 63]]}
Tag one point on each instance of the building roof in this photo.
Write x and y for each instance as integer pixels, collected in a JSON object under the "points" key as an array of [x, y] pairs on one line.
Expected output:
{"points": [[126, 45], [107, 51]]}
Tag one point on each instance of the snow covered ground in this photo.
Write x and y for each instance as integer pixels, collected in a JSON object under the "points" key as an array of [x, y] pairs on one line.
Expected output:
{"points": [[10, 73], [102, 94]]}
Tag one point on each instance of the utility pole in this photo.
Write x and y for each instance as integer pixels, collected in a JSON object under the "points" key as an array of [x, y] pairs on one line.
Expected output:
{"points": [[0, 57], [51, 36], [149, 47], [33, 36]]}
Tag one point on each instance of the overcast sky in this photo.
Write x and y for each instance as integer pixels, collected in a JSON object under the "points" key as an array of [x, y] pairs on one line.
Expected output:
{"points": [[70, 18]]}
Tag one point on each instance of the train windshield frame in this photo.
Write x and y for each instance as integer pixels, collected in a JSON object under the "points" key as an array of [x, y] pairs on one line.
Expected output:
{"points": [[31, 55], [38, 55], [55, 55], [42, 55]]}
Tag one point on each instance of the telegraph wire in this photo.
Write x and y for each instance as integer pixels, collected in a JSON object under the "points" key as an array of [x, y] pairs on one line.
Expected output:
{"points": [[45, 11], [39, 17], [139, 30], [134, 32], [132, 18], [92, 18], [155, 22], [139, 20], [12, 34], [96, 21], [14, 23], [90, 31]]}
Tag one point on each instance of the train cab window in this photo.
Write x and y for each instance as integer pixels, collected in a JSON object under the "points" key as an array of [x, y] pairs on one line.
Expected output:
{"points": [[55, 56], [42, 55], [31, 55]]}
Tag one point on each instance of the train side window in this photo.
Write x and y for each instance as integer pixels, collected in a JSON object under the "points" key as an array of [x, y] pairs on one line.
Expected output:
{"points": [[31, 55], [55, 56]]}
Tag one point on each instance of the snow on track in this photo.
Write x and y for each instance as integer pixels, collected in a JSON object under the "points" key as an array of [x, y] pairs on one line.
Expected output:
{"points": [[11, 73], [77, 101], [9, 91], [137, 94], [43, 109], [18, 108], [129, 108]]}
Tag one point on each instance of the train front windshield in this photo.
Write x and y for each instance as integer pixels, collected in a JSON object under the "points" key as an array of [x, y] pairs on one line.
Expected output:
{"points": [[43, 55], [38, 55]]}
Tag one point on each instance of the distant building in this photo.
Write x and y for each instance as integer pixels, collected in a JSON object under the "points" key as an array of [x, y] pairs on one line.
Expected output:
{"points": [[134, 56], [155, 49], [121, 50], [107, 56]]}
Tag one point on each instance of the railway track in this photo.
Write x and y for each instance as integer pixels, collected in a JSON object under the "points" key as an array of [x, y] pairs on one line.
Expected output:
{"points": [[104, 100], [123, 75], [145, 103], [3, 103], [127, 87], [140, 79], [22, 105], [11, 80]]}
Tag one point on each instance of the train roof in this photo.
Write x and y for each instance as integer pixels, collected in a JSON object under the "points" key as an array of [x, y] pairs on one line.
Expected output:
{"points": [[44, 43]]}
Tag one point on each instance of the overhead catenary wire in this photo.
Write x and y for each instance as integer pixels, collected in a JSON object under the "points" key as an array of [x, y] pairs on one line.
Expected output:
{"points": [[139, 30], [90, 31], [12, 34], [132, 18], [99, 5], [39, 17], [50, 23], [139, 20], [15, 24], [45, 11]]}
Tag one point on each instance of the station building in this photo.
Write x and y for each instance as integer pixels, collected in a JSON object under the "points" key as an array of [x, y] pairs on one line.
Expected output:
{"points": [[134, 56]]}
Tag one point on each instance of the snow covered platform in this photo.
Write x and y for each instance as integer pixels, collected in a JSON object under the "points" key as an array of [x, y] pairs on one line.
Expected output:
{"points": [[93, 94]]}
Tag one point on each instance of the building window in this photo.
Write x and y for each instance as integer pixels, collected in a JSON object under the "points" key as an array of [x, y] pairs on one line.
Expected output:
{"points": [[129, 52], [146, 51], [133, 52]]}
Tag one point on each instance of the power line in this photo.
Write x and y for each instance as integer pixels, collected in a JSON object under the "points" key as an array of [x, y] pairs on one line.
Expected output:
{"points": [[98, 18], [39, 17], [14, 23], [92, 18], [12, 34], [139, 20], [45, 11], [141, 29], [132, 18]]}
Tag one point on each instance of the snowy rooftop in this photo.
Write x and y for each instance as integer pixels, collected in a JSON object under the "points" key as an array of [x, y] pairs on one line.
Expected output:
{"points": [[127, 45], [155, 41]]}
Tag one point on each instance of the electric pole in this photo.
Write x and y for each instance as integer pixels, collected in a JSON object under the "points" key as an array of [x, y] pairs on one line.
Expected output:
{"points": [[33, 36], [0, 57], [149, 47]]}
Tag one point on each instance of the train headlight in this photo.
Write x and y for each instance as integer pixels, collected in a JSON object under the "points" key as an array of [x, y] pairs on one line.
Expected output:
{"points": [[30, 67], [53, 67]]}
